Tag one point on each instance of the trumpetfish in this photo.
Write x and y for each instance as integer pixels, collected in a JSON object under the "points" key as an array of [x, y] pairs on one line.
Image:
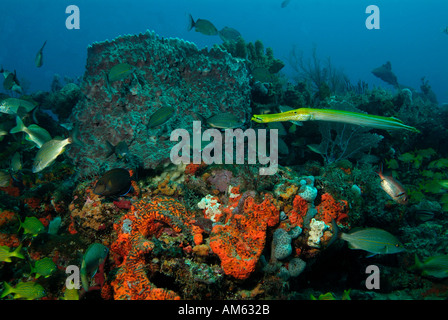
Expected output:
{"points": [[357, 118]]}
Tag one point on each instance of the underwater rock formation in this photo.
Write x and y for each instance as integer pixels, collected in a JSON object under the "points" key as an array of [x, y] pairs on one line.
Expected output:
{"points": [[130, 78]]}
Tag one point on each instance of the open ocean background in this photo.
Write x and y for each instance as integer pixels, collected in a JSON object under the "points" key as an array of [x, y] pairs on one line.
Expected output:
{"points": [[410, 34]]}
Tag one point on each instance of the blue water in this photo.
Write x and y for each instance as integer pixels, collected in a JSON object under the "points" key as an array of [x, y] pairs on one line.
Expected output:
{"points": [[410, 34]]}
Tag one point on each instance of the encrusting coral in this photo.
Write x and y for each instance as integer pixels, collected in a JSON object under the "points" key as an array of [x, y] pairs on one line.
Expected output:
{"points": [[240, 241], [147, 217]]}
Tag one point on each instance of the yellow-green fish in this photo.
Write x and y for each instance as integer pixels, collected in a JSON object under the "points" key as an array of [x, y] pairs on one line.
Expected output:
{"points": [[48, 153], [119, 72], [203, 26], [326, 296], [95, 254], [39, 61], [16, 106], [443, 183], [71, 294], [43, 267], [34, 133], [5, 255], [27, 290], [3, 133], [357, 118], [11, 82], [16, 163], [160, 117], [331, 296], [373, 240], [225, 120], [31, 225], [5, 178], [436, 266]]}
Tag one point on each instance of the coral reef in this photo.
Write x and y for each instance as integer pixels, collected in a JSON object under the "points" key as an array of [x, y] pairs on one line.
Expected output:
{"points": [[198, 231]]}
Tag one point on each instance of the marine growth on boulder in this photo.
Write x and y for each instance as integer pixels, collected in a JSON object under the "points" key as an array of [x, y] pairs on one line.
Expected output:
{"points": [[152, 73]]}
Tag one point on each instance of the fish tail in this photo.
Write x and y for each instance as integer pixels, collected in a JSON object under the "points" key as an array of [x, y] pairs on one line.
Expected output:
{"points": [[336, 234], [84, 280], [20, 222], [8, 290], [19, 127], [16, 253], [190, 22], [110, 149], [418, 265]]}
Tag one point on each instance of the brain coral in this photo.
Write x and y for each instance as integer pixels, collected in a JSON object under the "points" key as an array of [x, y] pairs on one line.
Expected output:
{"points": [[167, 73]]}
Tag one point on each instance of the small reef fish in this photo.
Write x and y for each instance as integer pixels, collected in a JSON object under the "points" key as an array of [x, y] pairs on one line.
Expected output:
{"points": [[48, 153], [115, 182], [27, 290], [443, 183], [5, 255], [119, 72], [3, 133], [161, 116], [229, 34], [285, 3], [39, 61], [393, 188], [360, 119], [385, 73], [203, 26], [436, 266], [11, 82], [71, 294], [373, 240], [31, 225], [16, 163], [16, 106], [262, 74], [330, 296], [121, 149], [225, 120], [43, 267], [94, 256], [54, 225], [5, 177], [445, 30], [34, 133]]}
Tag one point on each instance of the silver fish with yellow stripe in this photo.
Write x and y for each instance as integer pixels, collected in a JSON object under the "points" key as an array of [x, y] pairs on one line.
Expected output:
{"points": [[48, 153], [436, 266], [373, 240]]}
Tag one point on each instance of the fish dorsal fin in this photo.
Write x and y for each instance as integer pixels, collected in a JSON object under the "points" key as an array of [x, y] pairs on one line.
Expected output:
{"points": [[397, 120], [388, 66]]}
